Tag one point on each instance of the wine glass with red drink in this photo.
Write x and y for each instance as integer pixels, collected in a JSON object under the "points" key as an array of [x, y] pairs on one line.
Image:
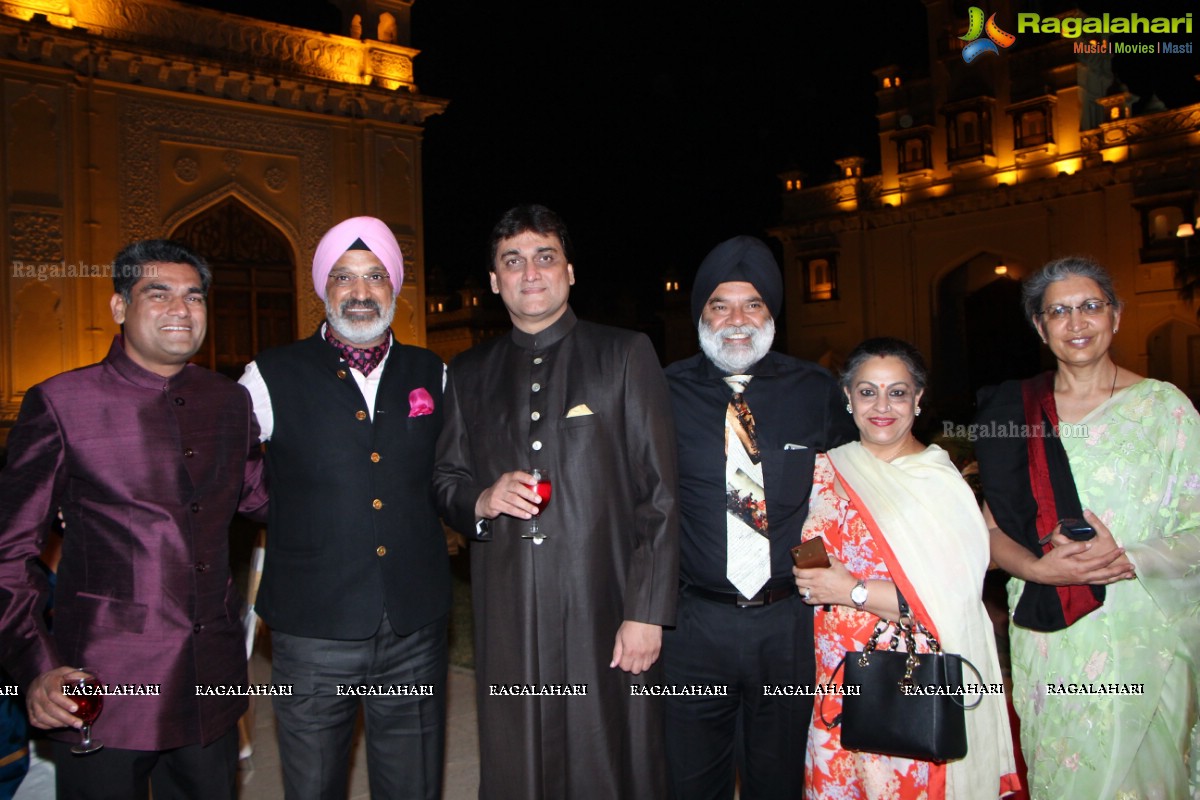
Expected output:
{"points": [[542, 485], [87, 693]]}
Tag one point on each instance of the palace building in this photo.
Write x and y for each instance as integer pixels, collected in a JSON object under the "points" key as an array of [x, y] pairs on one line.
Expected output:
{"points": [[989, 169], [130, 119]]}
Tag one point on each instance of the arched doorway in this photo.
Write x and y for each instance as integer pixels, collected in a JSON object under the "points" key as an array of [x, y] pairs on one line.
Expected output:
{"points": [[252, 304], [981, 338], [1173, 354]]}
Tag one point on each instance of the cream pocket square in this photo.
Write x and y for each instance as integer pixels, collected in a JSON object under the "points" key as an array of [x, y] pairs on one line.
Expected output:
{"points": [[580, 410]]}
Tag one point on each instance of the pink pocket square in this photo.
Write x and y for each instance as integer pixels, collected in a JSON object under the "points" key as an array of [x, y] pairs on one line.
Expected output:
{"points": [[419, 403]]}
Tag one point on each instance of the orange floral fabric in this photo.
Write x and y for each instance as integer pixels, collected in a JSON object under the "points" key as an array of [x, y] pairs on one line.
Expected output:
{"points": [[833, 773]]}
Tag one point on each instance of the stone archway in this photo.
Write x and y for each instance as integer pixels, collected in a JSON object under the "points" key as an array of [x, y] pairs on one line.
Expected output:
{"points": [[1173, 354], [252, 304], [980, 336]]}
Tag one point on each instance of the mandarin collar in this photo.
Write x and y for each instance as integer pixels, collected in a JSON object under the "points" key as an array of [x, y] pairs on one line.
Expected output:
{"points": [[547, 336], [138, 375]]}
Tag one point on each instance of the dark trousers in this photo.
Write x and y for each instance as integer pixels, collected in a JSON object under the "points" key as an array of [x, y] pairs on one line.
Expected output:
{"points": [[405, 734], [762, 738], [185, 773]]}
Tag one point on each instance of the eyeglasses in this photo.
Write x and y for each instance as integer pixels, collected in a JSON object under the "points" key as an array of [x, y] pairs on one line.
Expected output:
{"points": [[1090, 308], [347, 278]]}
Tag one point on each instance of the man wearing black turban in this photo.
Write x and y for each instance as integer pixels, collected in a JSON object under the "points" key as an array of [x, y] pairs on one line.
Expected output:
{"points": [[749, 424]]}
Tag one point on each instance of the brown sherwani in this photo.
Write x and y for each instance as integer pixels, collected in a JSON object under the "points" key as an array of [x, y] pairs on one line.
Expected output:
{"points": [[547, 615]]}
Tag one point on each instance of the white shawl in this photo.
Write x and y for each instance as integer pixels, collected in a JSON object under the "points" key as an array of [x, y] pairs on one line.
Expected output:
{"points": [[929, 529]]}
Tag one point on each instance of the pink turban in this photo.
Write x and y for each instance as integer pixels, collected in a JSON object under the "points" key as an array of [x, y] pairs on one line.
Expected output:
{"points": [[374, 233]]}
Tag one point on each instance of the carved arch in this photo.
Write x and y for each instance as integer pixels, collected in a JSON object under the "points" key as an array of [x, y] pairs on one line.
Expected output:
{"points": [[252, 302], [979, 335], [1173, 354], [256, 206]]}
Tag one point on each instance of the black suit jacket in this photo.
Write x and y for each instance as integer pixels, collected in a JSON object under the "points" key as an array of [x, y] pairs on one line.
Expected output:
{"points": [[353, 529], [798, 412]]}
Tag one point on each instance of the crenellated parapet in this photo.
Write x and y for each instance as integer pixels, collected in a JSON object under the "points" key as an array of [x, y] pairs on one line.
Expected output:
{"points": [[220, 55]]}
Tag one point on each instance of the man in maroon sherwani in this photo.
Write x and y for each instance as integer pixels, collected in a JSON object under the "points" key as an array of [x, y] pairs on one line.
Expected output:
{"points": [[148, 458]]}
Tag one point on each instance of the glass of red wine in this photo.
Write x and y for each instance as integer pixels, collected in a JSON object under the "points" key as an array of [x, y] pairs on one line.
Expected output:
{"points": [[542, 485], [87, 693]]}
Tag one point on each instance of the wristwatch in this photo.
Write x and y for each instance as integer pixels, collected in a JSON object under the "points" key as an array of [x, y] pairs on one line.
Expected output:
{"points": [[858, 595]]}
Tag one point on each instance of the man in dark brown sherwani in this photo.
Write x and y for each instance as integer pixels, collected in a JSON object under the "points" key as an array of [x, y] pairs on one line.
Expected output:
{"points": [[568, 624]]}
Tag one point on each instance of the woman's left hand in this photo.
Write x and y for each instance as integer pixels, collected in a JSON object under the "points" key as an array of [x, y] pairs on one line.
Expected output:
{"points": [[825, 585], [1098, 561]]}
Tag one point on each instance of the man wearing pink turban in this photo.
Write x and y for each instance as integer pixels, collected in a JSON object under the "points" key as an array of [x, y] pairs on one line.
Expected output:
{"points": [[358, 233], [356, 586]]}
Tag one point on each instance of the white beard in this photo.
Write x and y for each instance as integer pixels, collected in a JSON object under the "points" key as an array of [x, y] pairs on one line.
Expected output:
{"points": [[736, 359], [358, 332]]}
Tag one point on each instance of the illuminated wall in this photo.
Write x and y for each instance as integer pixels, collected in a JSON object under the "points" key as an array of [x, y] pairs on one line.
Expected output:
{"points": [[1010, 161], [126, 120]]}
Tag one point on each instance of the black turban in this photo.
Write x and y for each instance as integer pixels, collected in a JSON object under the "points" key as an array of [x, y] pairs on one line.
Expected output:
{"points": [[742, 258]]}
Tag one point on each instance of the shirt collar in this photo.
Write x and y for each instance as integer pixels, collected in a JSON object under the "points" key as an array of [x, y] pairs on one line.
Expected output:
{"points": [[765, 366], [337, 354], [349, 353], [547, 336]]}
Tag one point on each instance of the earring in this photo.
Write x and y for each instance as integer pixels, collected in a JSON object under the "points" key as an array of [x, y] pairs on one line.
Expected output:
{"points": [[849, 410], [1114, 330], [917, 411]]}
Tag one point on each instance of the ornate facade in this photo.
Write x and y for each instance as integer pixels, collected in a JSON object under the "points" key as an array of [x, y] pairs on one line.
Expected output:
{"points": [[989, 170], [246, 139]]}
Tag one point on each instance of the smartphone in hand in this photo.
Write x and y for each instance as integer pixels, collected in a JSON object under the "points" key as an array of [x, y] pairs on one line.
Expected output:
{"points": [[1078, 530], [810, 554]]}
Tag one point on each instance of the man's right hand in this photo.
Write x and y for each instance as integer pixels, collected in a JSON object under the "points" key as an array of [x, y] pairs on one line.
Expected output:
{"points": [[48, 707], [510, 494]]}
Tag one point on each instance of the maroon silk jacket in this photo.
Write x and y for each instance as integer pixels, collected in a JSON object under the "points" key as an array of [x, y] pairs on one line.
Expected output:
{"points": [[148, 472]]}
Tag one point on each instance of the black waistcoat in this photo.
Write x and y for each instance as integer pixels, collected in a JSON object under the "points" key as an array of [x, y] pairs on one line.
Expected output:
{"points": [[353, 529]]}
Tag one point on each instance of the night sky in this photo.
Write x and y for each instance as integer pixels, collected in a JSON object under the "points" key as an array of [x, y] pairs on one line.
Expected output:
{"points": [[655, 133], [656, 129]]}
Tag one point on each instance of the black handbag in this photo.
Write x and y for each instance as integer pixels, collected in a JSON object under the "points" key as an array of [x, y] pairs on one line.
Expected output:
{"points": [[904, 704]]}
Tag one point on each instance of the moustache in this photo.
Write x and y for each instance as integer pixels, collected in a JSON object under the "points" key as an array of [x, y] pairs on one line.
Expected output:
{"points": [[733, 330], [368, 304]]}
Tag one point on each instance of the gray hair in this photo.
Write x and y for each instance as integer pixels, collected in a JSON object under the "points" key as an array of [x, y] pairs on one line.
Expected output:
{"points": [[1033, 291], [884, 346]]}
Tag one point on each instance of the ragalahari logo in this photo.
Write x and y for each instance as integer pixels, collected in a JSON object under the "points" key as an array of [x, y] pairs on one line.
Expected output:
{"points": [[975, 28]]}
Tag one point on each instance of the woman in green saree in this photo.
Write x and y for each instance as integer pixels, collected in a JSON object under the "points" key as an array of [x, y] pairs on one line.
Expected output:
{"points": [[1105, 634]]}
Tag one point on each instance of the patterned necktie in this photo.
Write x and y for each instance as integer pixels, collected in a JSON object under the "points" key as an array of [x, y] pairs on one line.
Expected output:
{"points": [[748, 550], [363, 359]]}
